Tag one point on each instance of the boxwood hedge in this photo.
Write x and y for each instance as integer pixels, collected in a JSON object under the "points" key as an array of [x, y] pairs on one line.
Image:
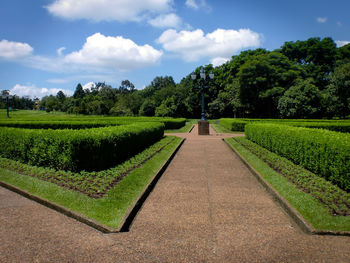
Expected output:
{"points": [[89, 122], [76, 150], [332, 125], [325, 153]]}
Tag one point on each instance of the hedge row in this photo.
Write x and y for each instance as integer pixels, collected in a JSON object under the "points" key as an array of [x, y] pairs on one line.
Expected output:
{"points": [[75, 150], [325, 153], [233, 124], [239, 124], [84, 123], [55, 125]]}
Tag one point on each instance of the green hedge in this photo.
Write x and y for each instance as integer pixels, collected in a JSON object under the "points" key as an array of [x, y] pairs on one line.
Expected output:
{"points": [[85, 123], [325, 153], [239, 124], [233, 124], [76, 150]]}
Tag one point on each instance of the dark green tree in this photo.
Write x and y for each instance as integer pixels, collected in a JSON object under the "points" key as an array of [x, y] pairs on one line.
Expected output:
{"points": [[300, 101]]}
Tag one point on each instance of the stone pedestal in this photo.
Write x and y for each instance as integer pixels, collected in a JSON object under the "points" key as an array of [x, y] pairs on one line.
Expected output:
{"points": [[203, 127]]}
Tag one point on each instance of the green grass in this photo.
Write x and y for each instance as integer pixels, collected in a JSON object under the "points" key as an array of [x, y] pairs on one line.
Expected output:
{"points": [[309, 207], [109, 210], [221, 129], [184, 129]]}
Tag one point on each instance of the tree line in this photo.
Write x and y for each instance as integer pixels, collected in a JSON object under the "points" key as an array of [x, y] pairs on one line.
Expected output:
{"points": [[302, 79]]}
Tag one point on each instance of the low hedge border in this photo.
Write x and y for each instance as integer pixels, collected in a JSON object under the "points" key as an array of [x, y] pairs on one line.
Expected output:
{"points": [[128, 217], [84, 123], [291, 211], [239, 124], [325, 153], [92, 184], [76, 150], [334, 198]]}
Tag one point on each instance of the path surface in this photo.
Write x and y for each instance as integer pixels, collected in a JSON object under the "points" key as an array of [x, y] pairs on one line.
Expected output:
{"points": [[207, 207]]}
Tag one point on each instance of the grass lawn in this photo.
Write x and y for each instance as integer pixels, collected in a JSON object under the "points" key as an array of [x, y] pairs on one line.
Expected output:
{"points": [[221, 129], [184, 129], [317, 214], [109, 210]]}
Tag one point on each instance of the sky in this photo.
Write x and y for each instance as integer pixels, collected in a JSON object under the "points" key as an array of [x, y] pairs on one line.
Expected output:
{"points": [[52, 45]]}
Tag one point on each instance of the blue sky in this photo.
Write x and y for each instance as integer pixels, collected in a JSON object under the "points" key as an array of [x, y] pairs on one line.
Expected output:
{"points": [[52, 45]]}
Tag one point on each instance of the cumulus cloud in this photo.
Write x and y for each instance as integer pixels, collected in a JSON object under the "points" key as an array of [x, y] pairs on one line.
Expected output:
{"points": [[219, 45], [98, 54], [35, 92], [218, 61], [14, 50], [321, 20], [101, 51], [110, 10], [341, 43], [89, 86], [168, 20]]}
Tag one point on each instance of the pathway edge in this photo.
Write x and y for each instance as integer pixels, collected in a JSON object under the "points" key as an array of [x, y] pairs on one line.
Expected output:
{"points": [[129, 216], [291, 211]]}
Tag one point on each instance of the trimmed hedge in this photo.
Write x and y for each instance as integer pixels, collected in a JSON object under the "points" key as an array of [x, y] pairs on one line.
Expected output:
{"points": [[233, 124], [85, 123], [76, 150], [325, 153], [239, 124]]}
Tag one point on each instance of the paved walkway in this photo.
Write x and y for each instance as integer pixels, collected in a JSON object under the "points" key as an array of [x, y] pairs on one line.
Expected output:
{"points": [[207, 207]]}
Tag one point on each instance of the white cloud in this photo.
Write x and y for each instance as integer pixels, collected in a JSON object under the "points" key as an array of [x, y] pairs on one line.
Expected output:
{"points": [[60, 51], [89, 86], [197, 4], [14, 50], [341, 43], [101, 51], [193, 45], [103, 54], [192, 4], [108, 10], [322, 19], [168, 20], [218, 61], [32, 91]]}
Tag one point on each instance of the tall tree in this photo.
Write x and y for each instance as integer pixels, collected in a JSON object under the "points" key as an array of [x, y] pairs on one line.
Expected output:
{"points": [[79, 92]]}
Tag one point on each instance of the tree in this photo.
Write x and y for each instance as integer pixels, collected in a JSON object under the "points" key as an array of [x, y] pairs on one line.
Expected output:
{"points": [[337, 94], [147, 108], [262, 81], [126, 87], [167, 108], [79, 92], [317, 56], [301, 100]]}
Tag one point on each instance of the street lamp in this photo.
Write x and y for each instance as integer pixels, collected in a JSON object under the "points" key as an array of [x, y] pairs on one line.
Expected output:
{"points": [[202, 87], [7, 96], [203, 124]]}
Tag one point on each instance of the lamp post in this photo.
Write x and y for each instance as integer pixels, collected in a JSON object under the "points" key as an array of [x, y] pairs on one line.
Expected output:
{"points": [[7, 97], [203, 124], [202, 87]]}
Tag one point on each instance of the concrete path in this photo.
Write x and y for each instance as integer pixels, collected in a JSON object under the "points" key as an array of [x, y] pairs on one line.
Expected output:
{"points": [[207, 207]]}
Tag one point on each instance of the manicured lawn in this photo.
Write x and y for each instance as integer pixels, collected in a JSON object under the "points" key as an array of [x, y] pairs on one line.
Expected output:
{"points": [[184, 129]]}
